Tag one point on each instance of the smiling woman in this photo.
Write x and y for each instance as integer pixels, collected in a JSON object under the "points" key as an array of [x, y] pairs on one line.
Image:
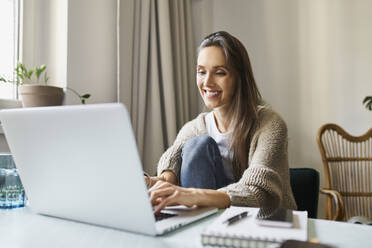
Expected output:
{"points": [[234, 155]]}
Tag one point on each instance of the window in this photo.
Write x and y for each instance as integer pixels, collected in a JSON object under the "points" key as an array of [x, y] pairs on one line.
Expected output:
{"points": [[9, 29]]}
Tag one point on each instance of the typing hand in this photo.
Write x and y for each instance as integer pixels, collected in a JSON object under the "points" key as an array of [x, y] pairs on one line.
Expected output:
{"points": [[164, 194], [150, 181]]}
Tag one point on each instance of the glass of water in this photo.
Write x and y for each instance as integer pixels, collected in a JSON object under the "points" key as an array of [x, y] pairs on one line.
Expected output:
{"points": [[12, 193]]}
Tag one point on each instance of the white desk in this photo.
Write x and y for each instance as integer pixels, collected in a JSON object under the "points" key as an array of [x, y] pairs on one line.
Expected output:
{"points": [[21, 228]]}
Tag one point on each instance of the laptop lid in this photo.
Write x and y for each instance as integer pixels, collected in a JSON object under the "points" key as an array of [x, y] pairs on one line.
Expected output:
{"points": [[81, 163]]}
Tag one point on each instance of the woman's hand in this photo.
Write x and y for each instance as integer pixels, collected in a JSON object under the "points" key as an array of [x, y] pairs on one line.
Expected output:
{"points": [[164, 194], [166, 176]]}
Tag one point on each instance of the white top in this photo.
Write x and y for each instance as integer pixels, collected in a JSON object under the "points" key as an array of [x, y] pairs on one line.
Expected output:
{"points": [[222, 140]]}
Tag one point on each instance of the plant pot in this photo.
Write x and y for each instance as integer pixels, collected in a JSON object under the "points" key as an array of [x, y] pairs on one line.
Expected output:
{"points": [[10, 103], [41, 95]]}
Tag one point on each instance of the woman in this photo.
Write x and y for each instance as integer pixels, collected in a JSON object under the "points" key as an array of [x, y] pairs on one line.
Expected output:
{"points": [[234, 155]]}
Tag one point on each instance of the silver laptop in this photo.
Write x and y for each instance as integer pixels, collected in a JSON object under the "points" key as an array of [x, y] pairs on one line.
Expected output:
{"points": [[81, 163]]}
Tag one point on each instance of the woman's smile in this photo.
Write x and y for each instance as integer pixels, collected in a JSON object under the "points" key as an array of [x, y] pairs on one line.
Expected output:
{"points": [[212, 93]]}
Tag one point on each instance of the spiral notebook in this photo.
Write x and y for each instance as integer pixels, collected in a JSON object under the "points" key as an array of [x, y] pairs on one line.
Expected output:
{"points": [[246, 233]]}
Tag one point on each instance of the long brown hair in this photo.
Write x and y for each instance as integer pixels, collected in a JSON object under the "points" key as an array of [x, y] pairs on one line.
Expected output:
{"points": [[244, 106]]}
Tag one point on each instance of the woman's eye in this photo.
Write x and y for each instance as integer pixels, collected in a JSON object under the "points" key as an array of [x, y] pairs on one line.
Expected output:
{"points": [[201, 72], [221, 73]]}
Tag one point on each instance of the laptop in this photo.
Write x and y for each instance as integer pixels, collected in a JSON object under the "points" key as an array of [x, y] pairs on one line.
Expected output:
{"points": [[80, 162]]}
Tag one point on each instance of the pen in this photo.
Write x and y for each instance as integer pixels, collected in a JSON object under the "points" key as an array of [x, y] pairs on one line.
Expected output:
{"points": [[236, 218]]}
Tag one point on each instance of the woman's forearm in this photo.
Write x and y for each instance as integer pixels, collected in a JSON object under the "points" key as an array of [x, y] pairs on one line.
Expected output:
{"points": [[211, 198], [168, 176]]}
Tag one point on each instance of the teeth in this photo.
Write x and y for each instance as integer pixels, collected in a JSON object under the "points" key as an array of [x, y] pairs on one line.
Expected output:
{"points": [[211, 93]]}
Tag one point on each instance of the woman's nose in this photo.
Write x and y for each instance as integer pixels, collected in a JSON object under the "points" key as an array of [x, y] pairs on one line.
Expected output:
{"points": [[208, 80]]}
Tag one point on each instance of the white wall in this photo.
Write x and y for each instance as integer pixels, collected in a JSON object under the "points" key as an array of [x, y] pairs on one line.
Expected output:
{"points": [[202, 21], [312, 62], [91, 50]]}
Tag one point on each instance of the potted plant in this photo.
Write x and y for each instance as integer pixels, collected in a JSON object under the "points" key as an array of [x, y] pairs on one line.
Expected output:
{"points": [[368, 102], [33, 92]]}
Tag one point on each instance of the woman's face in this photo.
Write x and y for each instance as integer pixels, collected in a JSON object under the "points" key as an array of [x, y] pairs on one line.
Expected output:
{"points": [[215, 81]]}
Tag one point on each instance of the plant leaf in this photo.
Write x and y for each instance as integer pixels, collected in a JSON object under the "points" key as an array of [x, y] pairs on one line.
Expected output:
{"points": [[83, 101], [3, 79], [29, 74], [369, 105], [23, 69], [43, 67], [85, 96], [368, 102], [39, 70], [37, 73], [22, 66], [46, 78], [21, 76], [367, 98]]}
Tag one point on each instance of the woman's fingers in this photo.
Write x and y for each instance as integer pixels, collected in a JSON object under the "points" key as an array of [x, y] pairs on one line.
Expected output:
{"points": [[168, 201], [160, 193], [164, 194], [158, 185]]}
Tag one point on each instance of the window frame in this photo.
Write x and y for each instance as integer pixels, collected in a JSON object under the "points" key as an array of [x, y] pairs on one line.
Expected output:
{"points": [[16, 46]]}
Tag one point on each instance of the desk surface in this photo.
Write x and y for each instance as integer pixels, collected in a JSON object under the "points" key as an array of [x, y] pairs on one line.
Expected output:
{"points": [[22, 228]]}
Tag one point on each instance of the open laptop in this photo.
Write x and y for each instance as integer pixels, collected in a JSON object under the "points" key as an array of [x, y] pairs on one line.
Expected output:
{"points": [[81, 163]]}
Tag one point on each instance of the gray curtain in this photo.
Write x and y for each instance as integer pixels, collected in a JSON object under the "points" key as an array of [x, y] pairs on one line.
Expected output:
{"points": [[156, 72]]}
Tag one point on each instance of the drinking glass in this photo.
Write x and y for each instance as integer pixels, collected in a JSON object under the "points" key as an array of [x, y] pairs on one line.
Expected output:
{"points": [[12, 193]]}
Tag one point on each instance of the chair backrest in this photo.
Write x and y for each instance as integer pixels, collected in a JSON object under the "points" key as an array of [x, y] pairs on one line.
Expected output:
{"points": [[305, 188], [347, 164]]}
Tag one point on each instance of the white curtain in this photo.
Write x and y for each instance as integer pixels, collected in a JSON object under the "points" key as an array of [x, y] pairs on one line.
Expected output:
{"points": [[156, 72]]}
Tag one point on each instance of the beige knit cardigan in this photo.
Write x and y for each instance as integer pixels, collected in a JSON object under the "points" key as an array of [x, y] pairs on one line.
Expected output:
{"points": [[265, 183]]}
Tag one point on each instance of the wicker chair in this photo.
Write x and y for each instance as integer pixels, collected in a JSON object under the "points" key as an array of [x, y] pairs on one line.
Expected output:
{"points": [[348, 172]]}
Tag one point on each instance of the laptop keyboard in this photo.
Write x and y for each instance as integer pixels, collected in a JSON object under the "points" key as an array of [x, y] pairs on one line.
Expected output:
{"points": [[162, 216]]}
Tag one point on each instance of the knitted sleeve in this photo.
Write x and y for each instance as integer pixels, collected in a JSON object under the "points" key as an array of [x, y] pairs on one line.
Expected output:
{"points": [[261, 183]]}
